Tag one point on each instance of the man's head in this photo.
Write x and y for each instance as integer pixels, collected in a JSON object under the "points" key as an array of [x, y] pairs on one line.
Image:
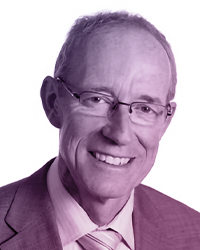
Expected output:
{"points": [[85, 28], [107, 147]]}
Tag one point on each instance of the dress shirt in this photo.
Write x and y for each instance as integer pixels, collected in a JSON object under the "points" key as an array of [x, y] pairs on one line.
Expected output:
{"points": [[73, 222]]}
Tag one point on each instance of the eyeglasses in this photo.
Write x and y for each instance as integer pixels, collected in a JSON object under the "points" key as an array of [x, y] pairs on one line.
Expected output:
{"points": [[104, 105]]}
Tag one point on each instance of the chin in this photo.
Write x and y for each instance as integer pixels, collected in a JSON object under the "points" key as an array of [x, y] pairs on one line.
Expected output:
{"points": [[107, 191]]}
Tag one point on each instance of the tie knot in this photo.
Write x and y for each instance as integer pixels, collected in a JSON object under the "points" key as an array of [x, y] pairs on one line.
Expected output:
{"points": [[100, 240]]}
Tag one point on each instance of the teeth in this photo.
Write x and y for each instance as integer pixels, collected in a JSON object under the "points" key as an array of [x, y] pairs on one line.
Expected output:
{"points": [[117, 161], [111, 160], [97, 155], [102, 157]]}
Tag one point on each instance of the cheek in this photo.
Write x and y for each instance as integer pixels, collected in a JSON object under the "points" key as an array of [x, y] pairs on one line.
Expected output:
{"points": [[149, 142], [74, 129], [149, 139]]}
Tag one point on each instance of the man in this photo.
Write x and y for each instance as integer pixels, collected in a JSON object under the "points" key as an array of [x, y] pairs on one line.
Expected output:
{"points": [[111, 98]]}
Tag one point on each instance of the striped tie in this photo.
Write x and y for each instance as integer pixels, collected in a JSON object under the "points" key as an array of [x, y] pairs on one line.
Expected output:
{"points": [[100, 240]]}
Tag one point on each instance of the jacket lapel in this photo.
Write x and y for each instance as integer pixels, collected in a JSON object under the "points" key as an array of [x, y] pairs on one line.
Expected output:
{"points": [[149, 231], [31, 219]]}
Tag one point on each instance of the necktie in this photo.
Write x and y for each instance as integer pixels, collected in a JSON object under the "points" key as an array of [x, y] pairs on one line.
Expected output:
{"points": [[100, 240]]}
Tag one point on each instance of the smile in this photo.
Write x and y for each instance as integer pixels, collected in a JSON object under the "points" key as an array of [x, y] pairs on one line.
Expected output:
{"points": [[110, 159]]}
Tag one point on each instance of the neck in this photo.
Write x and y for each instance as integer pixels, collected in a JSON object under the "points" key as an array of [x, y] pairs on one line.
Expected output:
{"points": [[100, 210]]}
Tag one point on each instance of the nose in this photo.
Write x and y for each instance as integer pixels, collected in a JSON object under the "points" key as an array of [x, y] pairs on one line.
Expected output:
{"points": [[119, 127]]}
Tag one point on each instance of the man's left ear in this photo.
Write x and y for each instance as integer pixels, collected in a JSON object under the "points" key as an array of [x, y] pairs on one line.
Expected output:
{"points": [[49, 98], [169, 117]]}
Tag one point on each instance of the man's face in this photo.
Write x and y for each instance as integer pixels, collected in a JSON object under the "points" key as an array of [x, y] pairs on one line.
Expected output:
{"points": [[129, 64]]}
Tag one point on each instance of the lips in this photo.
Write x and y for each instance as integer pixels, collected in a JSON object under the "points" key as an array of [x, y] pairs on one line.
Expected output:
{"points": [[110, 159]]}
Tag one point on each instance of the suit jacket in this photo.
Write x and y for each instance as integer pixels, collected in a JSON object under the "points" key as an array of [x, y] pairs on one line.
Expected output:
{"points": [[27, 218]]}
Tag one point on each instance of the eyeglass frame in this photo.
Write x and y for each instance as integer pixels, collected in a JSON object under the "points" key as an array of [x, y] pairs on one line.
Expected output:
{"points": [[74, 94]]}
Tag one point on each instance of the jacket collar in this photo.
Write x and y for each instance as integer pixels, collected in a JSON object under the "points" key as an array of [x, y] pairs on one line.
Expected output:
{"points": [[31, 216]]}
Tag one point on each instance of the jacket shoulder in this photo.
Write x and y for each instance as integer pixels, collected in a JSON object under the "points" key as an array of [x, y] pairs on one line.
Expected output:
{"points": [[180, 223], [165, 203], [7, 193]]}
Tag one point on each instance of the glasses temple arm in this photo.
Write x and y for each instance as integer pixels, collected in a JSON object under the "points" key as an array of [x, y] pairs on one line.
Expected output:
{"points": [[68, 89]]}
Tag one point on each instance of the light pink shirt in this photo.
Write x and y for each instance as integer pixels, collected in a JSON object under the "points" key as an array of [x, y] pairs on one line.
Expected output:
{"points": [[73, 222]]}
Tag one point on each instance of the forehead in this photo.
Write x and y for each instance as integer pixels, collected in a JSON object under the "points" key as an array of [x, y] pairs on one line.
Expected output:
{"points": [[124, 61]]}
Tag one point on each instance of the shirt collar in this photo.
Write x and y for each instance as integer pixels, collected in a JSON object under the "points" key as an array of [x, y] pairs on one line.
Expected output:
{"points": [[71, 217], [122, 222]]}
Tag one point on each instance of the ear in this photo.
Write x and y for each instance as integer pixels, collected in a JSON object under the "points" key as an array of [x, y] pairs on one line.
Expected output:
{"points": [[169, 118], [49, 98]]}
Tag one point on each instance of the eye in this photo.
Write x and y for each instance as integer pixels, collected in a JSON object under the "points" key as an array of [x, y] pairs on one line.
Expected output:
{"points": [[91, 99], [142, 108], [146, 109], [96, 99]]}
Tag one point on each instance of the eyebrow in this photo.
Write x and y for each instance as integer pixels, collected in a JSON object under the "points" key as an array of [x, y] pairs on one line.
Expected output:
{"points": [[150, 99], [102, 89]]}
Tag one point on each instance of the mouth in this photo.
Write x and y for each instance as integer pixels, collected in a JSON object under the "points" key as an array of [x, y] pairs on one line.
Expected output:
{"points": [[118, 161]]}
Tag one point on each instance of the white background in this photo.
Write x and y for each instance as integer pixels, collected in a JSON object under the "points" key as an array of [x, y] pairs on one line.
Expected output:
{"points": [[31, 35]]}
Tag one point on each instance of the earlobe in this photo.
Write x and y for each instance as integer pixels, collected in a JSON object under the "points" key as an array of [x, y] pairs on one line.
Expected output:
{"points": [[49, 98]]}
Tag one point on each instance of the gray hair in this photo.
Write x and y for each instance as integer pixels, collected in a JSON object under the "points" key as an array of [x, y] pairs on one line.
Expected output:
{"points": [[86, 26]]}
